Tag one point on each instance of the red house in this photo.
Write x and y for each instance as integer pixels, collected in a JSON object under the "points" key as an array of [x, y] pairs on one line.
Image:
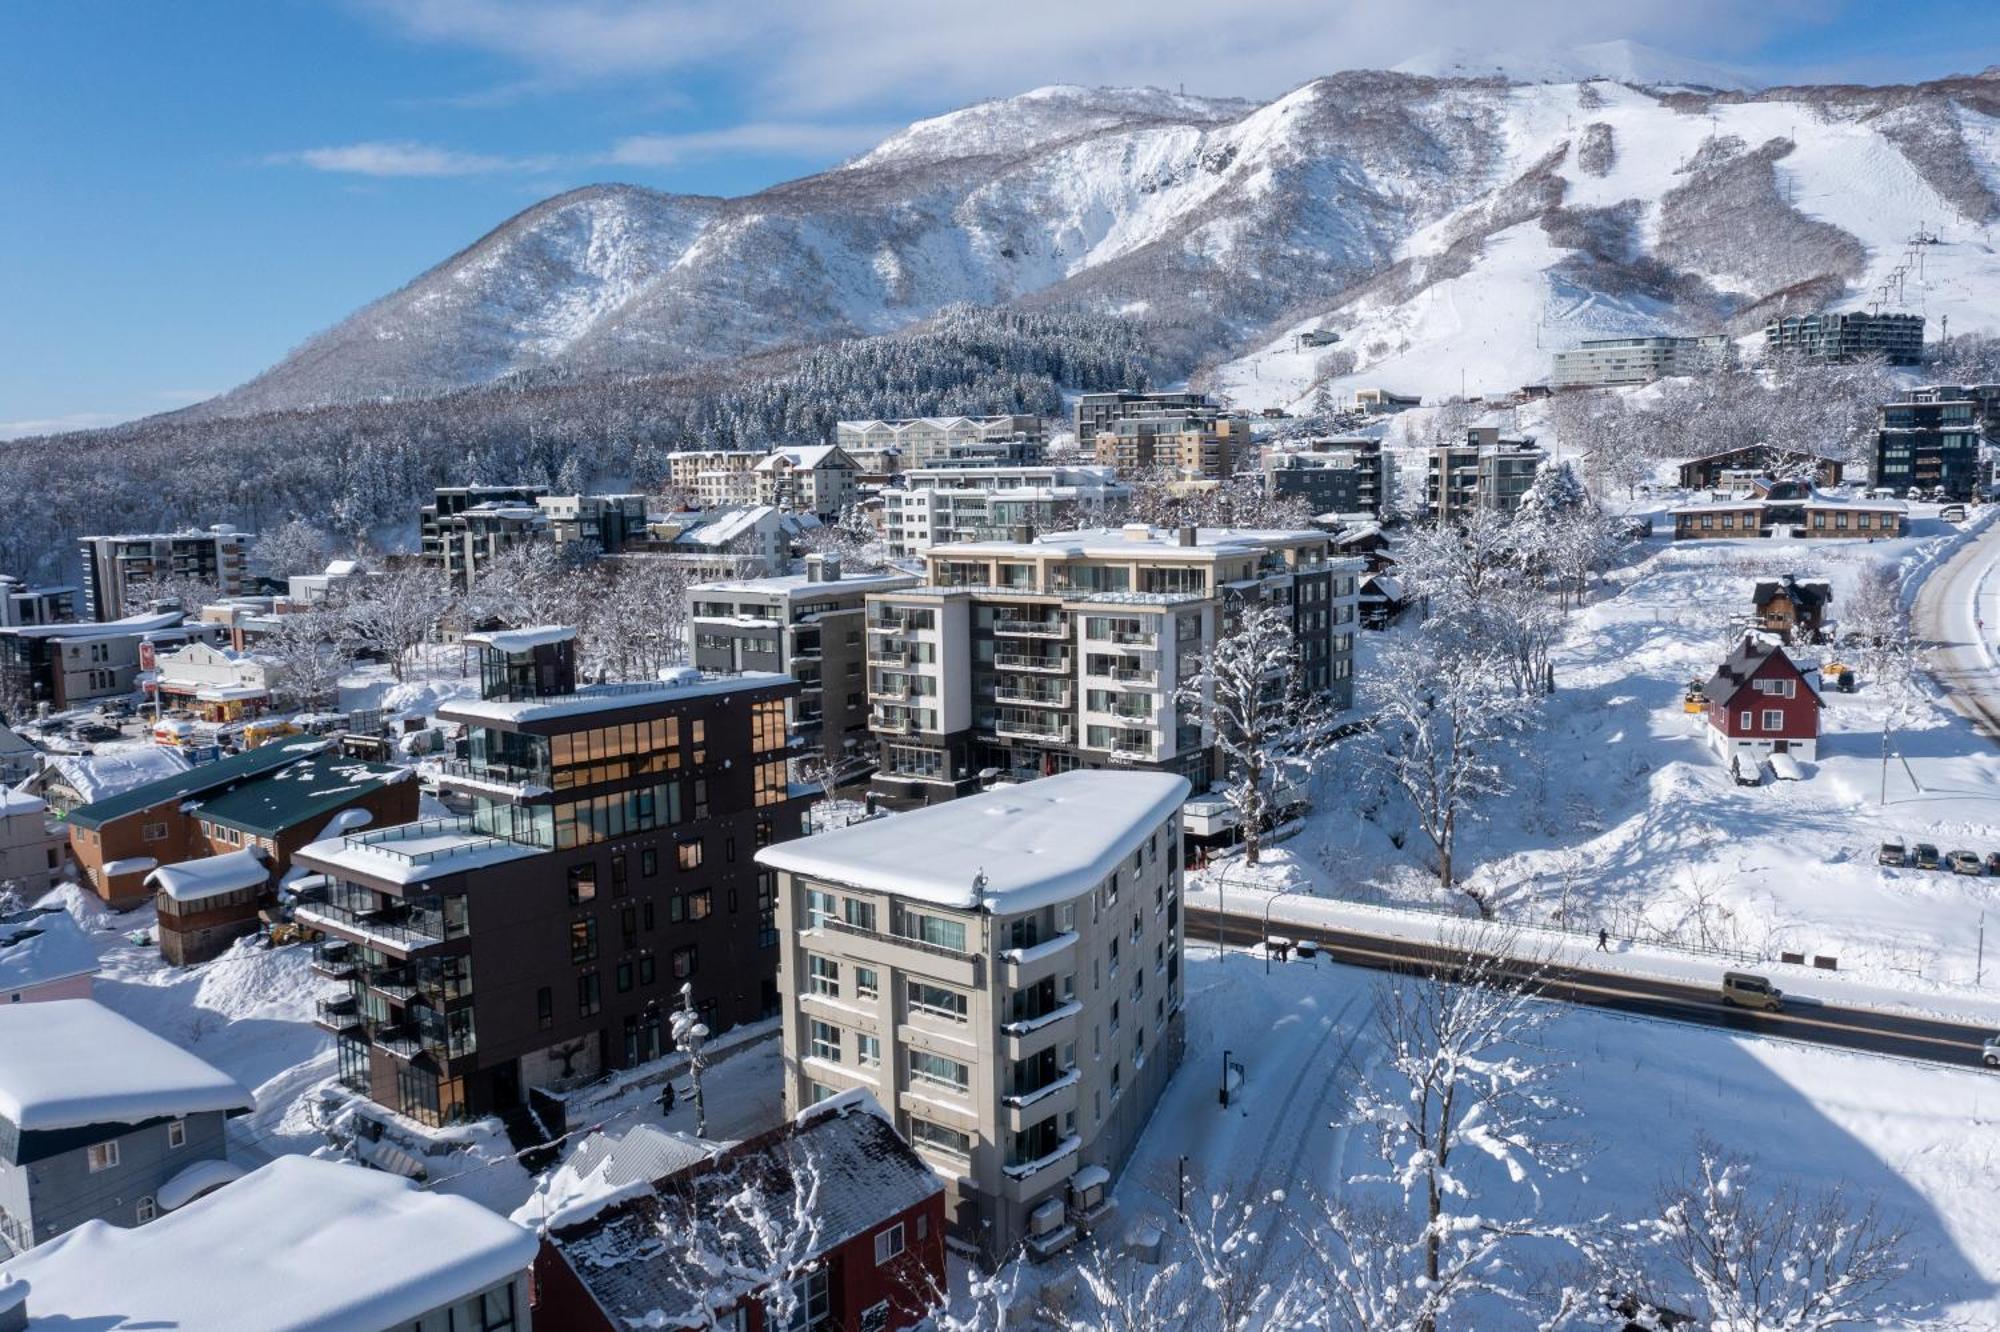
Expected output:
{"points": [[877, 1260], [1761, 703]]}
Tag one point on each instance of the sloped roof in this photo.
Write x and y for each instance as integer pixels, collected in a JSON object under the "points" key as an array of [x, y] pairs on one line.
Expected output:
{"points": [[72, 1063], [40, 945], [212, 876], [1749, 657], [197, 780], [299, 794], [865, 1174], [109, 773], [1811, 593]]}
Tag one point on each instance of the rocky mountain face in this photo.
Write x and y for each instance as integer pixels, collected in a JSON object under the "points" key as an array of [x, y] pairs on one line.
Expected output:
{"points": [[1447, 229]]}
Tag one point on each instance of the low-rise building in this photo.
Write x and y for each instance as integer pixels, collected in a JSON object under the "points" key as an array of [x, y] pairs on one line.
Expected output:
{"points": [[44, 956], [25, 604], [754, 542], [218, 684], [71, 665], [1486, 472], [1789, 509], [1760, 703], [121, 572], [1791, 607], [276, 797], [1381, 402], [1205, 446], [1735, 468], [1347, 475], [99, 1118], [542, 939], [31, 846], [606, 522], [207, 904], [70, 781], [873, 1208], [1600, 362], [299, 1244], [818, 479], [716, 478], [1003, 973], [1848, 336], [807, 626]]}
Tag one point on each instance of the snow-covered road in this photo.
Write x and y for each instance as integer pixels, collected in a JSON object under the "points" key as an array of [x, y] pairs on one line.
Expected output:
{"points": [[1957, 611]]}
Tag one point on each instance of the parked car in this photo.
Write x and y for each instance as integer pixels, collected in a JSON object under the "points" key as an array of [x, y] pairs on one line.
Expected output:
{"points": [[1989, 1053], [1746, 774], [1307, 950], [96, 732], [1740, 989], [1965, 862], [1952, 513], [1892, 853], [1925, 856]]}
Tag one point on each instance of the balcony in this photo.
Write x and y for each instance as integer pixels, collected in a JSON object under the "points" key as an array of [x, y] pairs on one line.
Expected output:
{"points": [[1026, 1109], [334, 959], [1029, 626], [398, 983], [889, 654], [1031, 1036], [884, 724], [894, 692], [1047, 730], [1133, 747], [504, 778], [1057, 697], [1029, 1178], [341, 1013], [1026, 966], [1055, 662]]}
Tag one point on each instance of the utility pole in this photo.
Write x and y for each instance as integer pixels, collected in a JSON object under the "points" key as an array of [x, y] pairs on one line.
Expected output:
{"points": [[1979, 968]]}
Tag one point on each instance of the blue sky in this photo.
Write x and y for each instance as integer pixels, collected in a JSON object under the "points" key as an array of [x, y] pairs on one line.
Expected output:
{"points": [[189, 190]]}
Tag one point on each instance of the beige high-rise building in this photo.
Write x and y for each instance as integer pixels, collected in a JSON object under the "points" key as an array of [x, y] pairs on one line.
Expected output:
{"points": [[1003, 974]]}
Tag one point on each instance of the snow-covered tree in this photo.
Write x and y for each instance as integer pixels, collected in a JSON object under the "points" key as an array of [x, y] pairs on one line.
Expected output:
{"points": [[1876, 626], [1463, 1113], [307, 652], [1789, 1260], [534, 583], [690, 1037], [754, 1232], [1268, 723], [294, 547], [396, 612]]}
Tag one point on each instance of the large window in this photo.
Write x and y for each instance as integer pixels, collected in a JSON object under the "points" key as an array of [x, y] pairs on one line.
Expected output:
{"points": [[926, 1134], [823, 975], [825, 1042], [934, 930], [582, 884], [767, 726], [583, 940], [936, 1001], [771, 785], [937, 1071], [589, 995]]}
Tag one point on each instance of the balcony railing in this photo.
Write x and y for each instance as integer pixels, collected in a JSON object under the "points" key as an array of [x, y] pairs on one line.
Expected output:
{"points": [[1029, 626], [334, 959], [888, 725], [495, 774], [903, 940], [1023, 1169], [1069, 1077], [338, 1013], [1034, 698], [1032, 728], [889, 654], [399, 923], [1022, 661]]}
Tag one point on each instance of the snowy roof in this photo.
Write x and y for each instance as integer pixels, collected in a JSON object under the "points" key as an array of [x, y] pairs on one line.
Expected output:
{"points": [[1749, 657], [14, 804], [412, 852], [299, 794], [1006, 850], [523, 640], [806, 456], [197, 1179], [131, 624], [604, 698], [299, 1244], [796, 586], [606, 1169], [193, 781], [41, 945], [726, 527], [212, 876], [1113, 542], [113, 772], [865, 1174], [73, 1063]]}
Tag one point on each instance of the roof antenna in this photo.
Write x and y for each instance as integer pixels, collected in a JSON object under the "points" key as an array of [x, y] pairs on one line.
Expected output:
{"points": [[979, 880]]}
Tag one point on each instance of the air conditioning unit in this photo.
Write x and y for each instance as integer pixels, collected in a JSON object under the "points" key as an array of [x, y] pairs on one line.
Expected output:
{"points": [[1046, 1219]]}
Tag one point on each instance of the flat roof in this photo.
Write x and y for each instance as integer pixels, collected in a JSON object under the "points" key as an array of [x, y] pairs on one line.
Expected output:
{"points": [[40, 945], [298, 1244], [606, 698], [72, 1063], [794, 586], [1111, 542], [212, 876], [413, 852], [1006, 850]]}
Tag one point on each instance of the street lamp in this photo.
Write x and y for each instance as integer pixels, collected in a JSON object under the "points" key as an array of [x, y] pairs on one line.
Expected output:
{"points": [[1283, 888]]}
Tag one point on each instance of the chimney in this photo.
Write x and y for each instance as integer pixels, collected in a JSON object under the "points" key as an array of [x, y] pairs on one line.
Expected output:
{"points": [[1184, 536], [815, 568]]}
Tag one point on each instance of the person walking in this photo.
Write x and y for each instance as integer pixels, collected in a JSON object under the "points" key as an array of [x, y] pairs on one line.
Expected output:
{"points": [[1603, 941]]}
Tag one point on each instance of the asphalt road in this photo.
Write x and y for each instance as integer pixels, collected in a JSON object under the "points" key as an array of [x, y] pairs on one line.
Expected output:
{"points": [[1802, 1019], [1955, 607]]}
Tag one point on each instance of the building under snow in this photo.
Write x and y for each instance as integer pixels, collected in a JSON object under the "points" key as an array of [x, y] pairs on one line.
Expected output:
{"points": [[1003, 973], [299, 1245], [44, 955], [101, 1120]]}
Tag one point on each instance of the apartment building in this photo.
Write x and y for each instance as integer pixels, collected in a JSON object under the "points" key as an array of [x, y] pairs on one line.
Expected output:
{"points": [[1600, 362], [1348, 474], [1194, 447], [1070, 651], [922, 441], [1098, 412], [1003, 975], [542, 939], [807, 626], [123, 571], [607, 522], [437, 521], [1485, 472], [935, 505], [1897, 338], [819, 479], [69, 665], [1931, 440], [1381, 402], [716, 478], [25, 604]]}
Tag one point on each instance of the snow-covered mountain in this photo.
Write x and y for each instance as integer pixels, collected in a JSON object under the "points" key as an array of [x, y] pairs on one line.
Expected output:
{"points": [[1446, 228]]}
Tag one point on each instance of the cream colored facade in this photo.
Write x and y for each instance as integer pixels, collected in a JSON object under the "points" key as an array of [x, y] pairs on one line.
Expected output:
{"points": [[1015, 1048], [717, 478]]}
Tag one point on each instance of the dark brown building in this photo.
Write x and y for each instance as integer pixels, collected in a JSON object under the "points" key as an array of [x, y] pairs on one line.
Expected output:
{"points": [[543, 938]]}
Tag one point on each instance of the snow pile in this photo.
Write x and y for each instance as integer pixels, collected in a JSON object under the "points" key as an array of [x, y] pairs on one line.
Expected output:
{"points": [[40, 946], [72, 1063]]}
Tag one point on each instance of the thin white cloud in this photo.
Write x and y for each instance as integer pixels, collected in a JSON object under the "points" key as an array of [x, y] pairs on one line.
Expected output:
{"points": [[769, 139], [402, 158], [55, 425]]}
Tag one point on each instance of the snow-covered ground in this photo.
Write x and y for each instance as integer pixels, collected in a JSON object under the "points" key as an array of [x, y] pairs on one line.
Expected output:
{"points": [[1921, 1142]]}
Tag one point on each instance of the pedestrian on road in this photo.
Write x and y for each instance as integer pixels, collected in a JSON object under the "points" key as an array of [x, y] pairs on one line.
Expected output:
{"points": [[667, 1098], [1604, 941]]}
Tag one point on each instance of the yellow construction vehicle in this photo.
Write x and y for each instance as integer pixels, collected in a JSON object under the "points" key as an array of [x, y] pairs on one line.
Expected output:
{"points": [[1694, 700]]}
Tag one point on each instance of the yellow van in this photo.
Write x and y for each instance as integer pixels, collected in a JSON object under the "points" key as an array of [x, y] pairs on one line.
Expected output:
{"points": [[1743, 990]]}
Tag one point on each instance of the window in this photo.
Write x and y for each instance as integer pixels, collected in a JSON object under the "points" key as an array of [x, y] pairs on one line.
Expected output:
{"points": [[624, 977], [935, 930], [582, 884], [683, 962], [823, 976], [1745, 721], [177, 1133], [865, 983], [825, 1042], [1774, 720], [496, 1309], [770, 786], [582, 940], [861, 915], [589, 995], [936, 1001], [937, 1071], [148, 1209], [820, 908], [545, 1007], [649, 863], [619, 882], [154, 832], [687, 855], [867, 1051], [923, 1133], [889, 1243], [700, 904], [102, 1156], [812, 1305]]}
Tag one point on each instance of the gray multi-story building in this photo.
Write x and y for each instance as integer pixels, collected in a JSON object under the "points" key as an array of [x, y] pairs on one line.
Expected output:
{"points": [[807, 626], [1931, 440], [1599, 362], [101, 1120], [1099, 412], [1003, 974], [1485, 472], [123, 571], [992, 502], [1849, 336], [923, 441], [1344, 475], [25, 604], [465, 528], [1071, 651]]}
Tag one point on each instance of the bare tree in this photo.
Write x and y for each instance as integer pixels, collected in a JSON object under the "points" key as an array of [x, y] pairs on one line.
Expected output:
{"points": [[1793, 1260], [754, 1233], [307, 657], [396, 612], [1268, 721], [293, 547]]}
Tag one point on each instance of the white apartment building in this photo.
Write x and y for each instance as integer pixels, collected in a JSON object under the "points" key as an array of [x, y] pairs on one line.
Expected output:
{"points": [[819, 479], [1004, 975], [920, 440], [943, 504], [717, 478], [1596, 362], [1070, 651]]}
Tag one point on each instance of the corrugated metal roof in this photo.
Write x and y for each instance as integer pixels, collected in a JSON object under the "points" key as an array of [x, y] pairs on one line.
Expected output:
{"points": [[196, 780]]}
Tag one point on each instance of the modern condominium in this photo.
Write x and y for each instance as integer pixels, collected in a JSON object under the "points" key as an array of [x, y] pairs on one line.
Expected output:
{"points": [[1071, 651], [1596, 362], [119, 572], [1485, 472], [1196, 447], [920, 441], [716, 478], [1849, 336], [935, 505], [1003, 974]]}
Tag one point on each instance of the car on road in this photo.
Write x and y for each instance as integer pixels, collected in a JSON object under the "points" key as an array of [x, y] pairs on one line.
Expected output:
{"points": [[1740, 989], [1925, 856], [1952, 513], [1965, 862], [96, 732], [1307, 950], [1989, 1053], [1892, 853]]}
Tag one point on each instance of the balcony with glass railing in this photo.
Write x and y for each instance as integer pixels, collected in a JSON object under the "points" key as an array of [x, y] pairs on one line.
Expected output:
{"points": [[1030, 626], [1032, 726], [1048, 662], [1033, 693]]}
